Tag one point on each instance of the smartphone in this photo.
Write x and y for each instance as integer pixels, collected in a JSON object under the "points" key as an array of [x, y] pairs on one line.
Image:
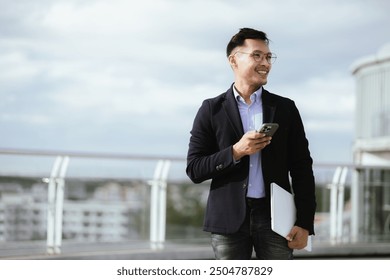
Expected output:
{"points": [[268, 128]]}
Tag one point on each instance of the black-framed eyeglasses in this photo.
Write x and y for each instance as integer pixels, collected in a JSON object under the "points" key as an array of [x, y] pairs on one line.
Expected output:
{"points": [[259, 56]]}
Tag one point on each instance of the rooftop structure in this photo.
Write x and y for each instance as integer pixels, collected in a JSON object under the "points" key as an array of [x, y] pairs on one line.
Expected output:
{"points": [[371, 191], [372, 74]]}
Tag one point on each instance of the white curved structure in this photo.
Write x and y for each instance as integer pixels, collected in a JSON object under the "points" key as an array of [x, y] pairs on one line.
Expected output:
{"points": [[372, 73]]}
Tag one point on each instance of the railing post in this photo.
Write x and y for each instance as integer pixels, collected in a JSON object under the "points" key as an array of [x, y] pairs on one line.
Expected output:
{"points": [[340, 201], [333, 204], [163, 201], [337, 204], [356, 204], [60, 205], [56, 184], [51, 205], [158, 204]]}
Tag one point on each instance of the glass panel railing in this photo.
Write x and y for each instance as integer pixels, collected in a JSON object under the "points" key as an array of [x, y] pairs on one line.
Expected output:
{"points": [[108, 200]]}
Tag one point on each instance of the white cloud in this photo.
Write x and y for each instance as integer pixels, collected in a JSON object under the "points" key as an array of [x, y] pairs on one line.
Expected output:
{"points": [[16, 68], [29, 119], [102, 65], [326, 103], [100, 17]]}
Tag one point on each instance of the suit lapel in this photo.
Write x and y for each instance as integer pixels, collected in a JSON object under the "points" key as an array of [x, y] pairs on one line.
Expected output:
{"points": [[269, 107], [232, 113]]}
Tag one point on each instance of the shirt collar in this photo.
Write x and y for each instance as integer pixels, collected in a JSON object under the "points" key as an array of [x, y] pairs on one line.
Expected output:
{"points": [[256, 95]]}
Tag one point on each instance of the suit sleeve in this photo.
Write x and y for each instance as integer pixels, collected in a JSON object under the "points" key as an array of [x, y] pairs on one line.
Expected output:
{"points": [[301, 172], [206, 159]]}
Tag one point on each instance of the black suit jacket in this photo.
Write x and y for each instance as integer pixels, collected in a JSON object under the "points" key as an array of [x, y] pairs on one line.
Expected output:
{"points": [[217, 127]]}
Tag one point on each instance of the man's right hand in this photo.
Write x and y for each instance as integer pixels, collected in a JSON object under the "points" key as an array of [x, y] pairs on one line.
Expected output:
{"points": [[250, 143]]}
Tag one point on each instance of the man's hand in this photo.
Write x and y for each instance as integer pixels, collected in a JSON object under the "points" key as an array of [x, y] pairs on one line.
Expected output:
{"points": [[297, 238], [250, 143]]}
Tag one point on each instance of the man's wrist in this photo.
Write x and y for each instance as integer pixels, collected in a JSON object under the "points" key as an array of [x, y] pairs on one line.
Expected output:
{"points": [[236, 156]]}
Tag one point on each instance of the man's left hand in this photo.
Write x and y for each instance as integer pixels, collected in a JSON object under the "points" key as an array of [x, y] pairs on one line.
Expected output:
{"points": [[297, 238]]}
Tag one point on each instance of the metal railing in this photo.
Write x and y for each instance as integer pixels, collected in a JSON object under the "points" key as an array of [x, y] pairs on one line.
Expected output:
{"points": [[336, 226]]}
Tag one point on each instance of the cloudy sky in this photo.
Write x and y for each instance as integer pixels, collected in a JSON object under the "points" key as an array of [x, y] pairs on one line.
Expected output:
{"points": [[128, 77]]}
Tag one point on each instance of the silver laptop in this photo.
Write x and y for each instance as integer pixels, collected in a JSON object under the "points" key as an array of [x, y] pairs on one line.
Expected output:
{"points": [[283, 212]]}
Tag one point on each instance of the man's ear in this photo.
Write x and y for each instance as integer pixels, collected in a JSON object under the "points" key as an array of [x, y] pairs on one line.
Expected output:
{"points": [[232, 61]]}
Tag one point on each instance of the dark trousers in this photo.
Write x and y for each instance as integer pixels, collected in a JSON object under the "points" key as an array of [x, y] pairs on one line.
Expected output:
{"points": [[255, 233]]}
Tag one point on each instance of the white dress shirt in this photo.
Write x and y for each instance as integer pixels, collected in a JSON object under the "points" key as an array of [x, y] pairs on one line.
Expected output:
{"points": [[252, 119]]}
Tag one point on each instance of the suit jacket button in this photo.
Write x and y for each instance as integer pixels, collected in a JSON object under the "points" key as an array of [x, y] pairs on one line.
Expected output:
{"points": [[244, 185], [219, 167]]}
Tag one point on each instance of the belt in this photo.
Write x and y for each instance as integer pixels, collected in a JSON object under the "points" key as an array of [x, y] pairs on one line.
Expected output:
{"points": [[257, 202]]}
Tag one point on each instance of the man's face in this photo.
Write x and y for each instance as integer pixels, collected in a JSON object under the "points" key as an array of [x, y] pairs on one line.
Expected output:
{"points": [[246, 69]]}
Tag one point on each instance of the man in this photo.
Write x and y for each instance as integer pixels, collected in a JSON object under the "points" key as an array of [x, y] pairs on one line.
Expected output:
{"points": [[242, 163]]}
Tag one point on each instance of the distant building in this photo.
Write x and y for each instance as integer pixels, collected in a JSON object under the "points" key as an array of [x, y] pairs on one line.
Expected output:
{"points": [[372, 146], [94, 221], [372, 74], [21, 218], [112, 214]]}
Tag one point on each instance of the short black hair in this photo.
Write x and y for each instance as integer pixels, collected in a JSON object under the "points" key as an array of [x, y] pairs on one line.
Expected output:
{"points": [[245, 33]]}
